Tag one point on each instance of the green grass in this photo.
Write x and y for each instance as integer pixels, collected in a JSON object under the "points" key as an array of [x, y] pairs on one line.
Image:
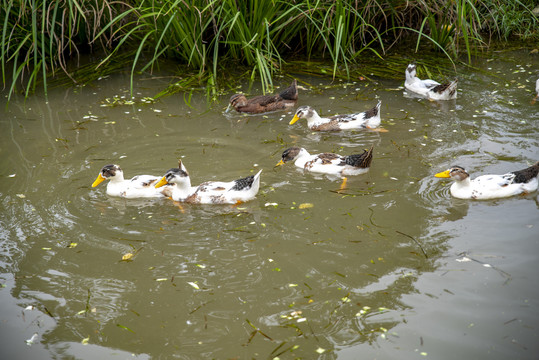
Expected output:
{"points": [[40, 39]]}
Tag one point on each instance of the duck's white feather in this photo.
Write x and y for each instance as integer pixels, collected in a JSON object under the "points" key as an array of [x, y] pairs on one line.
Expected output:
{"points": [[140, 186], [362, 120], [429, 88], [210, 192], [491, 186], [328, 163]]}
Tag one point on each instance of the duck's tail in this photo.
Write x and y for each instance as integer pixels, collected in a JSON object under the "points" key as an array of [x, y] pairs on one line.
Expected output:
{"points": [[251, 183], [291, 92], [375, 111], [525, 175], [449, 89], [360, 160]]}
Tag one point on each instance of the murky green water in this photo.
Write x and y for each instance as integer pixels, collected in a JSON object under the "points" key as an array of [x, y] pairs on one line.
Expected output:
{"points": [[392, 268]]}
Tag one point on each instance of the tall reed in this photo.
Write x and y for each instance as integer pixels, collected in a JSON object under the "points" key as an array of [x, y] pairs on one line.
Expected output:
{"points": [[39, 38]]}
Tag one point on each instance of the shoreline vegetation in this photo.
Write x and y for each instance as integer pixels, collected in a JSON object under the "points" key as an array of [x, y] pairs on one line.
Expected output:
{"points": [[41, 40]]}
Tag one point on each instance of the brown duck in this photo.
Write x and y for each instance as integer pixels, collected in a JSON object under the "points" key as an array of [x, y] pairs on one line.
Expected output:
{"points": [[264, 103]]}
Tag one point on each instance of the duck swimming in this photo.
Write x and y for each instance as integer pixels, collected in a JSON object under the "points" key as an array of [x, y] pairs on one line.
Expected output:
{"points": [[264, 103], [369, 119], [329, 163], [491, 186], [536, 92], [210, 192], [140, 186], [429, 88]]}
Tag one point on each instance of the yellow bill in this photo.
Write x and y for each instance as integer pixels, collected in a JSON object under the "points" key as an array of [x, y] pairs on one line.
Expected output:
{"points": [[99, 180], [161, 182], [280, 163], [294, 119], [443, 174]]}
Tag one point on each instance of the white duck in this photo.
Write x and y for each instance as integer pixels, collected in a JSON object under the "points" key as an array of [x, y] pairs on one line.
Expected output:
{"points": [[429, 88], [140, 186], [369, 119], [536, 92], [328, 163], [210, 192], [491, 186]]}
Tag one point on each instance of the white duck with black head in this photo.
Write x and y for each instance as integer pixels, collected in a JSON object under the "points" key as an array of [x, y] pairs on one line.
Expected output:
{"points": [[536, 92], [369, 119], [491, 186], [329, 163], [140, 186], [429, 88], [210, 192]]}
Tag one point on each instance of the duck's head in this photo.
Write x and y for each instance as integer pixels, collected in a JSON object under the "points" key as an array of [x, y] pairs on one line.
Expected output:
{"points": [[177, 176], [303, 112], [290, 154], [108, 172], [238, 100], [411, 71], [455, 172]]}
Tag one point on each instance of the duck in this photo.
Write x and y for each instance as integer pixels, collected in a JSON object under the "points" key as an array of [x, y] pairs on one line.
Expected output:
{"points": [[329, 163], [491, 186], [536, 92], [209, 192], [433, 90], [369, 119], [265, 103], [140, 186]]}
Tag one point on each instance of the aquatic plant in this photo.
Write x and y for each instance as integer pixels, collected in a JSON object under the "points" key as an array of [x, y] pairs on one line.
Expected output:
{"points": [[39, 38]]}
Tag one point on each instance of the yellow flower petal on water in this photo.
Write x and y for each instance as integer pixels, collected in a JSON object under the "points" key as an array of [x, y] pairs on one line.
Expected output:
{"points": [[127, 256], [306, 205], [85, 341], [320, 350], [193, 284]]}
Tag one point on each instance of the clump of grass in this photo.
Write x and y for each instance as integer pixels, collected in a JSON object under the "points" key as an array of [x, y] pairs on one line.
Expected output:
{"points": [[39, 38]]}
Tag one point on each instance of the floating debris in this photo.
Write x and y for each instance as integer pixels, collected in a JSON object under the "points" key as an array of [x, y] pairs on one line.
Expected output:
{"points": [[32, 340]]}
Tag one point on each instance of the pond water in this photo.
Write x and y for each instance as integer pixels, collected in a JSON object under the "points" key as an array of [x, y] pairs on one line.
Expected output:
{"points": [[390, 268]]}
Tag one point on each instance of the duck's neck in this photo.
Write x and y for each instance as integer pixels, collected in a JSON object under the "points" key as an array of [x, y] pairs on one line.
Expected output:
{"points": [[316, 120], [411, 78], [117, 178], [302, 158], [462, 184], [183, 188]]}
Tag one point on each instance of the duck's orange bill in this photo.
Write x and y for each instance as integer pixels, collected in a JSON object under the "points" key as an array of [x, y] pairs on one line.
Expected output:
{"points": [[443, 174], [294, 119], [99, 180], [161, 182], [280, 163]]}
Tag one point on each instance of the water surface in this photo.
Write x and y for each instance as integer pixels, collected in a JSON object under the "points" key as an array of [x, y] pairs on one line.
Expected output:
{"points": [[390, 268]]}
